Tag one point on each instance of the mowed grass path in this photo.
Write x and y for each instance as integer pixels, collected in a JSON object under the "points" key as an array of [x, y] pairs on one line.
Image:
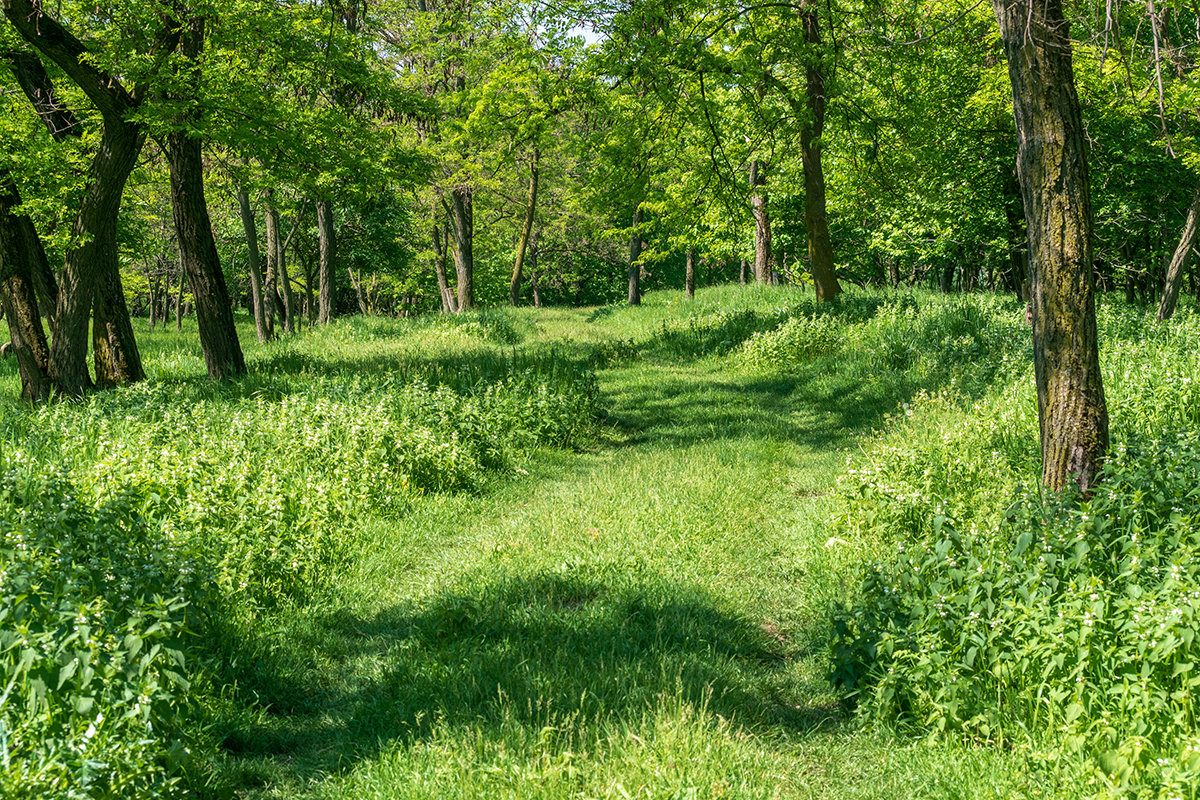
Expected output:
{"points": [[644, 619]]}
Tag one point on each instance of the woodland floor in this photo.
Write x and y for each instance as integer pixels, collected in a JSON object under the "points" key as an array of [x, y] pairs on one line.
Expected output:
{"points": [[643, 618]]}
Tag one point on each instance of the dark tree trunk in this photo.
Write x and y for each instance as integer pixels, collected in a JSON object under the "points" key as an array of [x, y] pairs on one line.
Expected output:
{"points": [[816, 220], [356, 282], [449, 304], [742, 274], [1052, 165], [327, 235], [193, 228], [261, 326], [179, 300], [533, 273], [690, 277], [19, 298], [635, 252], [526, 230], [198, 255], [1017, 276], [275, 310], [946, 283], [762, 224], [893, 271], [114, 353], [463, 213], [1179, 259], [90, 274]]}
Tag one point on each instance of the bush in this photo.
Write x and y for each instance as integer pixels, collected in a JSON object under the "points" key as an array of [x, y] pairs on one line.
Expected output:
{"points": [[239, 503], [1074, 624], [90, 656]]}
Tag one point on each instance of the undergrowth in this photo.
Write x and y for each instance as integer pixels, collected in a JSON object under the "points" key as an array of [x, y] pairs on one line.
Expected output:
{"points": [[143, 526]]}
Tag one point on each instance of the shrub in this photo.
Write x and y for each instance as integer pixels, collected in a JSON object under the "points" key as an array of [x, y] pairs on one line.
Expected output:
{"points": [[90, 655], [1073, 624]]}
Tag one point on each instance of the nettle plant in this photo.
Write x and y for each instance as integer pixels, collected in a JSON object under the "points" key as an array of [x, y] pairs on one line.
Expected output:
{"points": [[91, 666], [1073, 625]]}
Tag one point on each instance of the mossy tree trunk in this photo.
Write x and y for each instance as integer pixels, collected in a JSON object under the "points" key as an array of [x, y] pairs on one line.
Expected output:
{"points": [[1052, 166]]}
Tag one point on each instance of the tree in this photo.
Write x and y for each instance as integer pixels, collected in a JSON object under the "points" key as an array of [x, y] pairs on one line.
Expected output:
{"points": [[1053, 169]]}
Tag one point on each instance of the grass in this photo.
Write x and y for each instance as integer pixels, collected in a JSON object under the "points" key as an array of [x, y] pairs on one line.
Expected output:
{"points": [[644, 616]]}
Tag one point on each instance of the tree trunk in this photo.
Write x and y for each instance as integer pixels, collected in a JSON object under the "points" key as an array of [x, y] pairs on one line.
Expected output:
{"points": [[526, 230], [463, 213], [19, 298], [179, 301], [1052, 165], [439, 270], [816, 221], [257, 290], [114, 352], [275, 310], [327, 237], [1179, 259], [534, 282], [356, 282], [742, 274], [635, 252], [193, 228], [762, 224], [690, 277]]}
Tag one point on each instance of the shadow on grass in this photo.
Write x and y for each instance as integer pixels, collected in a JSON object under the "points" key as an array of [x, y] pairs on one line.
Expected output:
{"points": [[539, 649]]}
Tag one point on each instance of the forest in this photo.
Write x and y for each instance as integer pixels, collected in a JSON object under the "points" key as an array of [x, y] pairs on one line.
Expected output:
{"points": [[599, 399]]}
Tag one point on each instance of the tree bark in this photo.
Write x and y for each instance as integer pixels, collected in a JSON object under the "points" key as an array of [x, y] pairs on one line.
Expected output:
{"points": [[90, 274], [690, 276], [635, 252], [1052, 166], [449, 305], [257, 291], [1179, 259], [193, 228], [816, 220], [198, 255], [742, 275], [276, 311], [463, 214], [762, 224], [534, 277], [327, 237], [18, 296], [526, 230]]}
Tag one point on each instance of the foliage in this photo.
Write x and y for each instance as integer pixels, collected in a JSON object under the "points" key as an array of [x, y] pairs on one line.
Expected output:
{"points": [[1060, 624]]}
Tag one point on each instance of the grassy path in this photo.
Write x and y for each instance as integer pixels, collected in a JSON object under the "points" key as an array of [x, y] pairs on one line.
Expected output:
{"points": [[641, 620]]}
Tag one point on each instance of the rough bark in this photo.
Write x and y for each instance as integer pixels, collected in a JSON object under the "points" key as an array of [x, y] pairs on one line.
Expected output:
{"points": [[257, 292], [690, 276], [526, 230], [816, 220], [762, 223], [327, 237], [193, 228], [275, 309], [18, 297], [449, 304], [635, 252], [1052, 165], [90, 274], [463, 215], [1179, 259]]}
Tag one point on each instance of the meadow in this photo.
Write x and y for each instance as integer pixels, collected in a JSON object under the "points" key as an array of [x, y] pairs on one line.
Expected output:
{"points": [[738, 547]]}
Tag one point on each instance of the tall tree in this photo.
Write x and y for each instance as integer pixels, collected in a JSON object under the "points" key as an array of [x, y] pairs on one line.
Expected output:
{"points": [[1053, 169], [197, 249]]}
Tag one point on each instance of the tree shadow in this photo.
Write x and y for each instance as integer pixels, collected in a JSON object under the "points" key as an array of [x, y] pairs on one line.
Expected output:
{"points": [[598, 646]]}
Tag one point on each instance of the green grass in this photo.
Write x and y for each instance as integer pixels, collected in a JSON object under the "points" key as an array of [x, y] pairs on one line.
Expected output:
{"points": [[642, 615]]}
